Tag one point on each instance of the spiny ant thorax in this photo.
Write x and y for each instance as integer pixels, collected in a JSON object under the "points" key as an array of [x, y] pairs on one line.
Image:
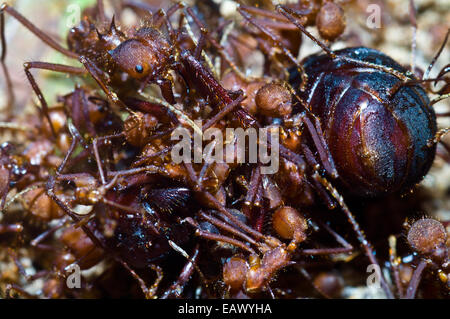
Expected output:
{"points": [[86, 40]]}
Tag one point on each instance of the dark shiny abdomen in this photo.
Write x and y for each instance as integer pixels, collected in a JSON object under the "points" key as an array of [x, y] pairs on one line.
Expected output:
{"points": [[378, 143]]}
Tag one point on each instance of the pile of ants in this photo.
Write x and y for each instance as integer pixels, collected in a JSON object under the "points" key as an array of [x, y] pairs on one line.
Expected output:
{"points": [[92, 182]]}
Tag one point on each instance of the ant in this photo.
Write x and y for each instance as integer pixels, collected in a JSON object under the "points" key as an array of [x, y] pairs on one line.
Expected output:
{"points": [[428, 239], [78, 251], [130, 220], [279, 39], [267, 254], [123, 61], [314, 75]]}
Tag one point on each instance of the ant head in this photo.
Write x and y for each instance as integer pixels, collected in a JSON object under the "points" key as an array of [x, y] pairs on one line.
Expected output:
{"points": [[144, 55], [235, 272], [274, 100], [290, 224], [135, 58], [428, 236]]}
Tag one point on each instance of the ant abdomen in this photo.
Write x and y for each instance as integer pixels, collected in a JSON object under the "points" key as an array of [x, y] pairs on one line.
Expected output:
{"points": [[377, 129]]}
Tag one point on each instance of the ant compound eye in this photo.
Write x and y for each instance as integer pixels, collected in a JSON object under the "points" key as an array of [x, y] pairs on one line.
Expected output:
{"points": [[130, 55], [139, 68]]}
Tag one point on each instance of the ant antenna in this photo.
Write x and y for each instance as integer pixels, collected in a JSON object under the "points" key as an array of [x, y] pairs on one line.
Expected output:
{"points": [[291, 14], [428, 70], [413, 20]]}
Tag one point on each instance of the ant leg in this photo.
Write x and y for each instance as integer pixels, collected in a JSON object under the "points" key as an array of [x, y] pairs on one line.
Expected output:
{"points": [[308, 276], [5, 185], [162, 15], [272, 295], [319, 141], [165, 19], [446, 88], [133, 171], [439, 135], [166, 87], [323, 193], [428, 70], [36, 31], [227, 227], [347, 247], [142, 10], [359, 233], [440, 98], [262, 211], [275, 20], [13, 255], [101, 11], [67, 156], [326, 251], [186, 25], [394, 264], [415, 280], [217, 205], [36, 242], [200, 44], [217, 237], [295, 158], [255, 181], [163, 113], [50, 190], [148, 292], [9, 87], [51, 67], [309, 156], [98, 74], [214, 89], [176, 289], [18, 195], [11, 97], [444, 71], [220, 49], [224, 111], [13, 228], [207, 164], [151, 157], [413, 20], [99, 77], [97, 154], [277, 41], [336, 236], [290, 14], [174, 110], [18, 289]]}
